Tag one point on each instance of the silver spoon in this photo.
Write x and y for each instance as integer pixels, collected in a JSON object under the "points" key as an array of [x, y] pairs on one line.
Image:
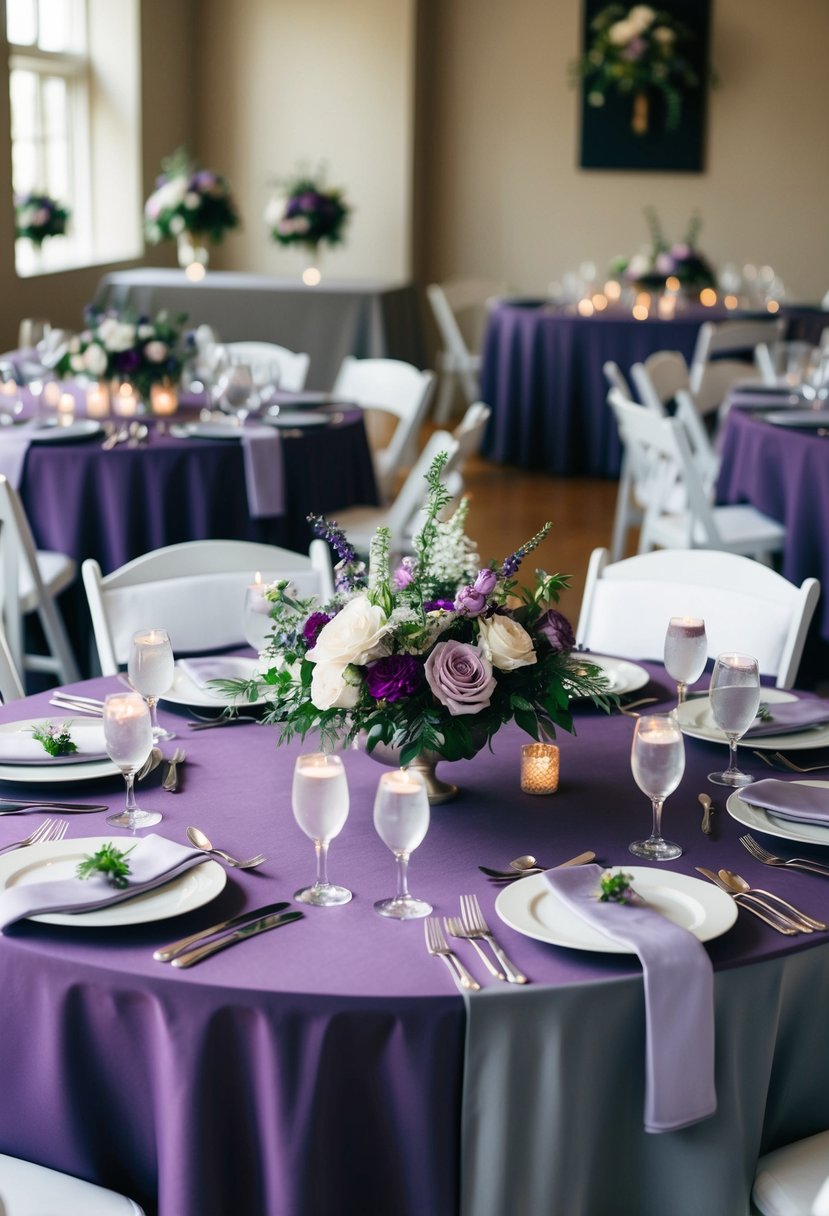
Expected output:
{"points": [[525, 862], [201, 841], [739, 885]]}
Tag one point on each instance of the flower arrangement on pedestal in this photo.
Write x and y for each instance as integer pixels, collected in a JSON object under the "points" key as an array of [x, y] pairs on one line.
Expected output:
{"points": [[306, 212], [119, 346], [635, 51], [194, 206], [651, 268], [431, 657], [37, 216]]}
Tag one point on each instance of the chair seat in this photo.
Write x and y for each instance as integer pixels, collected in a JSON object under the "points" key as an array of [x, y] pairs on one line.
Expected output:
{"points": [[743, 529], [794, 1180], [57, 571], [27, 1189]]}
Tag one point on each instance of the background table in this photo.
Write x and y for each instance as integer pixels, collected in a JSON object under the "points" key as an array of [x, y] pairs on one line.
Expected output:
{"points": [[542, 375], [330, 321], [322, 1067]]}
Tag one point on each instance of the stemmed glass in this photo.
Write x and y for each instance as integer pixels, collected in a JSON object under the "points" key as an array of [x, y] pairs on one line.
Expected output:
{"points": [[129, 741], [151, 671], [735, 698], [237, 392], [657, 760], [686, 652], [401, 817], [257, 622], [319, 798]]}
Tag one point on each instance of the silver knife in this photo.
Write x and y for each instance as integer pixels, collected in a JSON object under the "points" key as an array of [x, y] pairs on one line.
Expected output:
{"points": [[20, 806], [238, 935], [165, 953]]}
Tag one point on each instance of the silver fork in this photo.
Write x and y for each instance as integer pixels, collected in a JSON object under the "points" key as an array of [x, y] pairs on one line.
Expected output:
{"points": [[170, 782], [455, 928], [769, 859], [797, 768], [757, 906], [50, 829], [476, 926], [437, 944]]}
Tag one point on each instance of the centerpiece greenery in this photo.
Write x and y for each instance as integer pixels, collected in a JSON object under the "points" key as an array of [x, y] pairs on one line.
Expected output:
{"points": [[653, 266], [122, 346], [38, 216], [187, 199], [307, 212], [431, 656]]}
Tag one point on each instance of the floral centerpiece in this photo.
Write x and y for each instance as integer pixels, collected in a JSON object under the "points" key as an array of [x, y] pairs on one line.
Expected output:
{"points": [[652, 267], [430, 658], [635, 51], [306, 212], [193, 205], [37, 216], [121, 346]]}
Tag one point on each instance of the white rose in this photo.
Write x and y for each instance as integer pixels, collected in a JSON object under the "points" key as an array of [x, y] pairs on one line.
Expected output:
{"points": [[94, 360], [120, 336], [273, 211], [663, 34], [641, 15], [74, 345], [354, 635], [621, 32], [505, 643], [145, 332], [78, 363], [156, 352], [334, 686]]}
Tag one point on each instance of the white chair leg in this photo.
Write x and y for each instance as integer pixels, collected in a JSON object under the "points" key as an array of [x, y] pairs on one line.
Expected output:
{"points": [[444, 407], [58, 642]]}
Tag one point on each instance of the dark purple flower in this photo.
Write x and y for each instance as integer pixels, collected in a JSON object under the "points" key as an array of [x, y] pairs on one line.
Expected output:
{"points": [[438, 606], [313, 625], [127, 361], [394, 676], [558, 631]]}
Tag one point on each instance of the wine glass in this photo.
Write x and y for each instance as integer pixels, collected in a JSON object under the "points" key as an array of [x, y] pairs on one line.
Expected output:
{"points": [[256, 621], [735, 698], [151, 671], [657, 760], [237, 392], [319, 798], [686, 652], [401, 817], [129, 740]]}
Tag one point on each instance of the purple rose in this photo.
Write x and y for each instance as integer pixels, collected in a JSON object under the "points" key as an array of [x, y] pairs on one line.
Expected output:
{"points": [[439, 606], [461, 677], [127, 361], [313, 625], [485, 582], [470, 602], [394, 676], [558, 631]]}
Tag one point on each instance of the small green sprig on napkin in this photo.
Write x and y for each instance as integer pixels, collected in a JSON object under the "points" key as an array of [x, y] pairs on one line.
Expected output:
{"points": [[616, 888], [56, 740], [109, 861], [764, 713]]}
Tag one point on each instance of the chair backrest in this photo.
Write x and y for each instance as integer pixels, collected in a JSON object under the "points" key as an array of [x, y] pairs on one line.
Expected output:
{"points": [[393, 387], [412, 496], [11, 685], [747, 606], [469, 434], [663, 378], [711, 374], [460, 307], [18, 552], [615, 377], [193, 590], [291, 365], [784, 362]]}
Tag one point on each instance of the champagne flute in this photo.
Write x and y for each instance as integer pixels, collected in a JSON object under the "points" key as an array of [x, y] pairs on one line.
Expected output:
{"points": [[686, 652], [151, 671], [401, 817], [735, 698], [319, 798], [129, 740], [657, 760]]}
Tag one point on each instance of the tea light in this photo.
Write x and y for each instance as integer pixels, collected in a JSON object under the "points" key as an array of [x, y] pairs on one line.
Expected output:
{"points": [[708, 297], [686, 627], [97, 401], [163, 399], [666, 307], [256, 600], [66, 409], [539, 768], [401, 781], [51, 394], [585, 308], [125, 402]]}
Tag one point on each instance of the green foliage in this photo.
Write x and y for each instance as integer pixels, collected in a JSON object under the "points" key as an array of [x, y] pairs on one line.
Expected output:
{"points": [[109, 861]]}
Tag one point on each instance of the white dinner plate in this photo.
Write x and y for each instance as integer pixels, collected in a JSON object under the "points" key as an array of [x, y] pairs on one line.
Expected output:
{"points": [[697, 722], [759, 820], [60, 858], [296, 418], [206, 430], [803, 419], [186, 692], [622, 675], [531, 907], [307, 399], [53, 432], [19, 746]]}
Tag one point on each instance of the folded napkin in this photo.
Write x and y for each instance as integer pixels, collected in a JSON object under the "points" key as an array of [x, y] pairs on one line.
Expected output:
{"points": [[14, 446], [790, 716], [21, 747], [679, 999], [789, 800], [262, 451], [216, 667], [153, 862]]}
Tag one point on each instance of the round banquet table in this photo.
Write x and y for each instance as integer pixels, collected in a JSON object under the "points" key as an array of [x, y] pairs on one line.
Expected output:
{"points": [[333, 1066], [542, 376]]}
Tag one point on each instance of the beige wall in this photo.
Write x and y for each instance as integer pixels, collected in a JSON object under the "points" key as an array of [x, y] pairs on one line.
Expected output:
{"points": [[500, 148]]}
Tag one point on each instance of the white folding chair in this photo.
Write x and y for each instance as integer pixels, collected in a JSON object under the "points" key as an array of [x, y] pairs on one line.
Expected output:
{"points": [[401, 518], [390, 387], [291, 366], [11, 685], [627, 605], [460, 310], [27, 1189], [32, 580], [663, 378], [724, 353], [195, 591], [661, 448], [469, 433], [784, 362], [615, 377], [794, 1180]]}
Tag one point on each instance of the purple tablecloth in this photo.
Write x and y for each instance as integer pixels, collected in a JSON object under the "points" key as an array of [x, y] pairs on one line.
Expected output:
{"points": [[320, 1067], [542, 376]]}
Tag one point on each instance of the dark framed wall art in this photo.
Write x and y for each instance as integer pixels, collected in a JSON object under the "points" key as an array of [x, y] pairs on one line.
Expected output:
{"points": [[644, 75]]}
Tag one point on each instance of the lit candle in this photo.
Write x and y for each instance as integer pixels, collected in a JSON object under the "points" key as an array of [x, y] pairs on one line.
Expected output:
{"points": [[401, 781], [539, 768], [708, 297], [666, 307], [66, 409], [731, 302], [256, 600], [163, 399], [612, 290], [51, 394], [97, 401], [125, 403], [686, 627], [585, 308]]}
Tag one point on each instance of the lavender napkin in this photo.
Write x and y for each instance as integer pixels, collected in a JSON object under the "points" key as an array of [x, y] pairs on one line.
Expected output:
{"points": [[153, 861], [14, 445], [216, 667], [790, 716], [262, 451], [679, 999], [789, 800]]}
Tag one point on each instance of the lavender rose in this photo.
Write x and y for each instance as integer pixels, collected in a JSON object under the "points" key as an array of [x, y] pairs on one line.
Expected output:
{"points": [[393, 677], [558, 631], [485, 582], [470, 602], [461, 677]]}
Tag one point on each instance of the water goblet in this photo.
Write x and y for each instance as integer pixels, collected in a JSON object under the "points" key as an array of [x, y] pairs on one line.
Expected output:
{"points": [[129, 740], [734, 694], [151, 671], [657, 760], [237, 392], [319, 798], [686, 652], [401, 817]]}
